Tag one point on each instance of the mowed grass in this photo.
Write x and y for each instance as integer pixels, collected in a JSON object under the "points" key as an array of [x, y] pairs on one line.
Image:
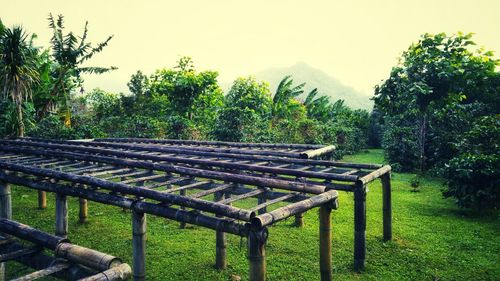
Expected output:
{"points": [[433, 239]]}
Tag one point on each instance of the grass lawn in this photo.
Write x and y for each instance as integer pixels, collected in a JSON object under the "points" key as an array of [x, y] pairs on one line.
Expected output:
{"points": [[433, 239]]}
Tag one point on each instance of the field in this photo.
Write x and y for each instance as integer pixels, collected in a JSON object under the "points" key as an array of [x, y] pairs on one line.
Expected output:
{"points": [[433, 239]]}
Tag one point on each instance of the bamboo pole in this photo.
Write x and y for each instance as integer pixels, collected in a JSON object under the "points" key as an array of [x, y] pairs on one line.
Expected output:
{"points": [[83, 210], [61, 215], [30, 234], [325, 242], [161, 210], [257, 254], [139, 245], [220, 242], [179, 159], [5, 212], [313, 153], [42, 200], [85, 256], [359, 226], [117, 273], [387, 206], [262, 200]]}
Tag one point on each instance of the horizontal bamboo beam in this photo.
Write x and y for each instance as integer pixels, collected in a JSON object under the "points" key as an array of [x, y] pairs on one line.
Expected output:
{"points": [[313, 153], [293, 209], [375, 174], [30, 234], [194, 203], [223, 176], [202, 162], [226, 225], [120, 272], [182, 150]]}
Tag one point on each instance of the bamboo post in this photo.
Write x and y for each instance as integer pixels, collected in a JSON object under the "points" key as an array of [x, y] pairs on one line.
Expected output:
{"points": [[61, 215], [182, 225], [387, 205], [42, 200], [261, 200], [220, 241], [325, 242], [359, 226], [84, 211], [299, 220], [257, 254], [5, 212], [139, 245]]}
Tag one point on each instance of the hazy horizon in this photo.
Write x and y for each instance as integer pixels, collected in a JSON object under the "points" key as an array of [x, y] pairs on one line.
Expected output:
{"points": [[357, 42]]}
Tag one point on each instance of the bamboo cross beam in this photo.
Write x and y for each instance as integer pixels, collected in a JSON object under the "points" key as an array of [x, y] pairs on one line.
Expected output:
{"points": [[194, 203], [251, 167], [225, 225], [209, 174], [187, 151]]}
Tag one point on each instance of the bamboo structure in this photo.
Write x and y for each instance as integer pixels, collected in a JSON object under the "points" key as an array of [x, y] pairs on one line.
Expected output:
{"points": [[154, 177], [69, 261]]}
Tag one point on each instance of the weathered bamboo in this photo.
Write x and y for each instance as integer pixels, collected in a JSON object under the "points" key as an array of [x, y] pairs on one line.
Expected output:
{"points": [[182, 225], [220, 143], [359, 226], [42, 200], [61, 215], [85, 256], [261, 201], [313, 153], [187, 151], [299, 220], [226, 225], [119, 272], [220, 241], [325, 243], [375, 174], [58, 267], [257, 254], [224, 176], [194, 203], [5, 212], [179, 159], [139, 245], [387, 205], [293, 209], [5, 200], [30, 234], [83, 210]]}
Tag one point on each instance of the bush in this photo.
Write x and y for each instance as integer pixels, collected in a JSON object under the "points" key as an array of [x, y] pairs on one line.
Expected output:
{"points": [[473, 177]]}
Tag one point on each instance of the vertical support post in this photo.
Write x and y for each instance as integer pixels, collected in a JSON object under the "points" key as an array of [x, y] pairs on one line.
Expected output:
{"points": [[84, 210], [299, 220], [359, 226], [139, 245], [261, 200], [325, 242], [42, 200], [61, 215], [182, 225], [220, 242], [5, 212], [387, 205], [257, 254]]}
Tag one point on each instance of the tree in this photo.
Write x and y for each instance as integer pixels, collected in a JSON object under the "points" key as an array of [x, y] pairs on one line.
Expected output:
{"points": [[284, 100], [435, 72], [70, 53], [17, 69]]}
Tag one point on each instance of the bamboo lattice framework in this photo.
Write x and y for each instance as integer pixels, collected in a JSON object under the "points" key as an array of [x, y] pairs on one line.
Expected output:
{"points": [[250, 186]]}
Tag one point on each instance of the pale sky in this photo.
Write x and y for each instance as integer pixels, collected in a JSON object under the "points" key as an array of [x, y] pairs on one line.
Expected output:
{"points": [[355, 41]]}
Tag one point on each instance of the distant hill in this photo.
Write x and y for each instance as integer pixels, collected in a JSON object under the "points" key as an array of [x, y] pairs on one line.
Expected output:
{"points": [[316, 78]]}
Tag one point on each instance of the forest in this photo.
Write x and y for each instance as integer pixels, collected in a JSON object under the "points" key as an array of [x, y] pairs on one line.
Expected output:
{"points": [[444, 86]]}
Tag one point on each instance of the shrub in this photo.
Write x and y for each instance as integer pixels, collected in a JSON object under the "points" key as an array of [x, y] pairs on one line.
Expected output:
{"points": [[473, 177]]}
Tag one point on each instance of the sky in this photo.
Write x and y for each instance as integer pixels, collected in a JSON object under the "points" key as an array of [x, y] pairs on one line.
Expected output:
{"points": [[357, 42]]}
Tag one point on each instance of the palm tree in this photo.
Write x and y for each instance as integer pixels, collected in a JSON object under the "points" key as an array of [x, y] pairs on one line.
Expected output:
{"points": [[69, 53], [17, 69], [318, 108], [285, 93]]}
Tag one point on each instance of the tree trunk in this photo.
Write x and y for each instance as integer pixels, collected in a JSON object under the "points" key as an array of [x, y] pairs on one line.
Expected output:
{"points": [[422, 138], [20, 119]]}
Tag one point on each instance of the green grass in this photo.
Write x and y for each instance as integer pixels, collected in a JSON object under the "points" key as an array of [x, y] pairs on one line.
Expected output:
{"points": [[433, 239]]}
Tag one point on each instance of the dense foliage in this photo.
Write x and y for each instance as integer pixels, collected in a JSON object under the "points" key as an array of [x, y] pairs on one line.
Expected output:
{"points": [[444, 89]]}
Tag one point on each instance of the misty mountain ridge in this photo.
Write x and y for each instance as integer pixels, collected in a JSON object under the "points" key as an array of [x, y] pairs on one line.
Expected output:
{"points": [[316, 78]]}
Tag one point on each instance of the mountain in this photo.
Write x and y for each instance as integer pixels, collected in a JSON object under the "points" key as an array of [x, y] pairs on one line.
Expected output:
{"points": [[316, 78]]}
